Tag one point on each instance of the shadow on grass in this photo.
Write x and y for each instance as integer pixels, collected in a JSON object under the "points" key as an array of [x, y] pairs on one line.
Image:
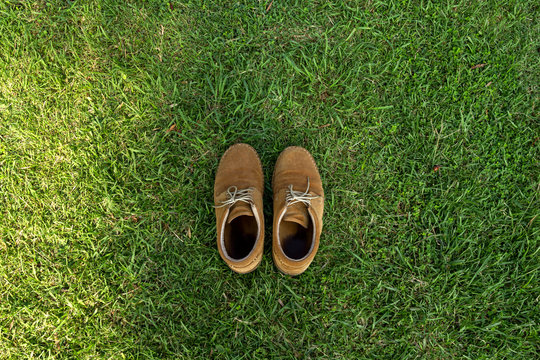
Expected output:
{"points": [[158, 141]]}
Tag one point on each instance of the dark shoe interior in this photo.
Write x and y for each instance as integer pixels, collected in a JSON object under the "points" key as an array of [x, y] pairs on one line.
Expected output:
{"points": [[295, 239], [240, 236]]}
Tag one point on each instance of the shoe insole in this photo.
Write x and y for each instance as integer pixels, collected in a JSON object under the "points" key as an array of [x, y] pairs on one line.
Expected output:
{"points": [[240, 236]]}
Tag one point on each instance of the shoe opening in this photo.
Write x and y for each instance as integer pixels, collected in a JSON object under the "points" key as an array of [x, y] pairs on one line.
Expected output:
{"points": [[296, 240], [240, 236]]}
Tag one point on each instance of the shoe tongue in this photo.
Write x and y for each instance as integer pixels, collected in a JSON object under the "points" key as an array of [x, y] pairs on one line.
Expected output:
{"points": [[297, 213], [239, 209]]}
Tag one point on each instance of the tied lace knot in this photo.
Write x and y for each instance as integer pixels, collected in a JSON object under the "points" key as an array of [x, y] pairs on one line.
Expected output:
{"points": [[294, 197], [235, 195]]}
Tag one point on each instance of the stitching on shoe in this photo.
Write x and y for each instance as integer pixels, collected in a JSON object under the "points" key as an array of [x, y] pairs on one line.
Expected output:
{"points": [[234, 267], [254, 151], [290, 148], [288, 272], [256, 154]]}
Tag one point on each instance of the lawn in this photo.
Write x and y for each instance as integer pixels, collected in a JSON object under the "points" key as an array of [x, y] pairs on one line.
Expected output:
{"points": [[422, 117]]}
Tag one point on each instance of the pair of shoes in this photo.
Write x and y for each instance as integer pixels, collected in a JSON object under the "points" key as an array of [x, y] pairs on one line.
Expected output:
{"points": [[298, 209]]}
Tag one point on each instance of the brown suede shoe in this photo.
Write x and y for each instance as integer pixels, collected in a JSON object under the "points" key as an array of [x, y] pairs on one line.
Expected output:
{"points": [[298, 210], [238, 194]]}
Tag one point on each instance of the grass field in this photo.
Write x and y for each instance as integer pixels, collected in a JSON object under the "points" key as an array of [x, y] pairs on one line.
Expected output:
{"points": [[423, 119]]}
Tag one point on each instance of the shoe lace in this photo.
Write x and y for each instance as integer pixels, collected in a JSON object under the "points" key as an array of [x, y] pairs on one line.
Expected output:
{"points": [[235, 195], [294, 197]]}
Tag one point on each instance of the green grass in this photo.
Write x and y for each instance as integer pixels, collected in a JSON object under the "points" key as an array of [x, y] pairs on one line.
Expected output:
{"points": [[107, 231]]}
